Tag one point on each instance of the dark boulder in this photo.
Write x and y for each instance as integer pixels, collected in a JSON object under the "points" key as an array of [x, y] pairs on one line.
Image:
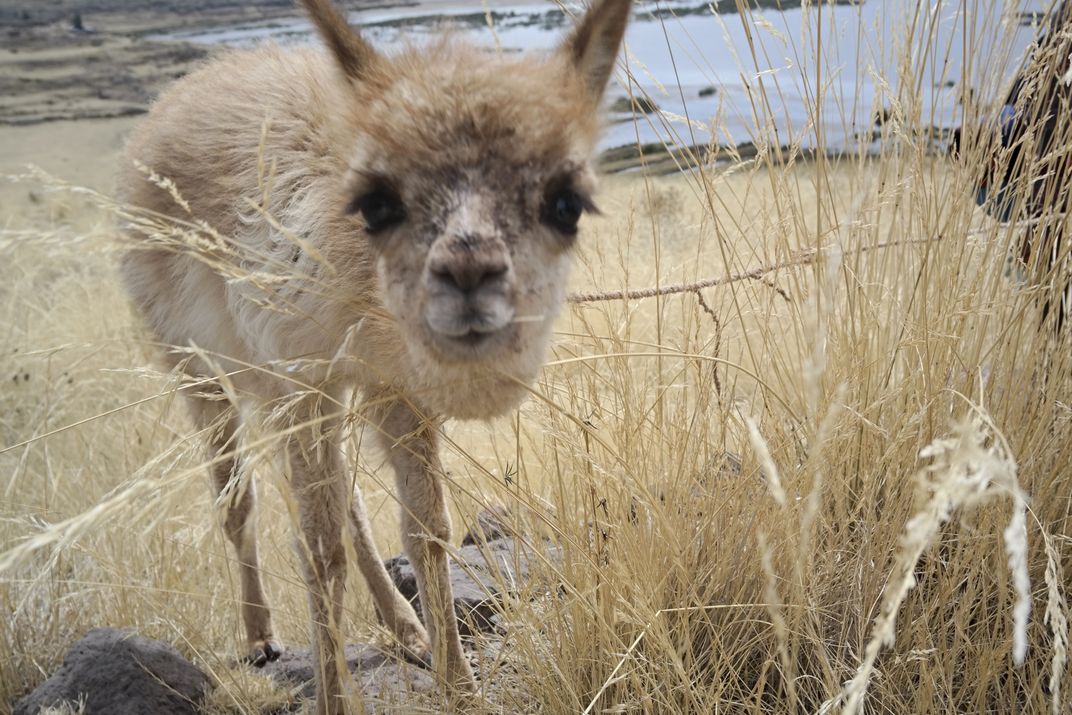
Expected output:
{"points": [[637, 104], [491, 524], [119, 673]]}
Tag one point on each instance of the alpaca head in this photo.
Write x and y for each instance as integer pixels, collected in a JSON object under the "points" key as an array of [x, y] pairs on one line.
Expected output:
{"points": [[469, 172]]}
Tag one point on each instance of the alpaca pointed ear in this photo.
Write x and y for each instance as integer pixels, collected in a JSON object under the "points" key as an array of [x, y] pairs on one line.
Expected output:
{"points": [[353, 54], [593, 45]]}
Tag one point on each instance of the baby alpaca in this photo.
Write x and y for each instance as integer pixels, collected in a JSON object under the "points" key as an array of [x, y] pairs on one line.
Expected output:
{"points": [[398, 223]]}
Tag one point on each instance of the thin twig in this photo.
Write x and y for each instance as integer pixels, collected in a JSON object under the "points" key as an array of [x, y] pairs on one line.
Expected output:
{"points": [[718, 341], [687, 287], [806, 258]]}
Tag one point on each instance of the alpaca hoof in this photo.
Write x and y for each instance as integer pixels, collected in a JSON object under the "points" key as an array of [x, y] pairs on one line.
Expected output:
{"points": [[263, 652], [460, 678], [421, 657], [415, 644]]}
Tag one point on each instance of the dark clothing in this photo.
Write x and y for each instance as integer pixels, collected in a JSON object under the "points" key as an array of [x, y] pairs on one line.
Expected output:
{"points": [[1028, 175]]}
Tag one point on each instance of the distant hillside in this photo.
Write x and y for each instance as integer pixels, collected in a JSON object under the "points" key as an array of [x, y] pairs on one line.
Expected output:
{"points": [[148, 15]]}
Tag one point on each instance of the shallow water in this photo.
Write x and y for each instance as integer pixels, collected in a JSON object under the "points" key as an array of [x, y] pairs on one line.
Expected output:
{"points": [[718, 75]]}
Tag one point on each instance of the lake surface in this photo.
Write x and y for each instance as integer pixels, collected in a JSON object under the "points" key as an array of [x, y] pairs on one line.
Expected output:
{"points": [[770, 76]]}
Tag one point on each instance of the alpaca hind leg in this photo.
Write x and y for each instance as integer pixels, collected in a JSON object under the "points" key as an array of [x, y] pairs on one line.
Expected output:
{"points": [[236, 498]]}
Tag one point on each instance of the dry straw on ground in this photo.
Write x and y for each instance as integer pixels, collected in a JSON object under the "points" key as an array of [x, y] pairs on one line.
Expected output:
{"points": [[895, 537]]}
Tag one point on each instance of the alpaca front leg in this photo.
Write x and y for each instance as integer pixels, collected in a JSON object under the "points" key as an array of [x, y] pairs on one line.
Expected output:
{"points": [[319, 489], [422, 535], [412, 450], [395, 611]]}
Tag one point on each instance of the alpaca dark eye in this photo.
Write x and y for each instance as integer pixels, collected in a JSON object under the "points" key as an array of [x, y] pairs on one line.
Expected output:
{"points": [[381, 209], [562, 210]]}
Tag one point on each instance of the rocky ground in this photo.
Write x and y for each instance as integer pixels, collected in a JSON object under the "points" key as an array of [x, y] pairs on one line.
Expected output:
{"points": [[115, 672], [79, 59]]}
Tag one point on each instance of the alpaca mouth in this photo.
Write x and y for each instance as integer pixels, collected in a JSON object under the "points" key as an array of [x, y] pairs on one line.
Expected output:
{"points": [[474, 342], [473, 337], [468, 323], [466, 327]]}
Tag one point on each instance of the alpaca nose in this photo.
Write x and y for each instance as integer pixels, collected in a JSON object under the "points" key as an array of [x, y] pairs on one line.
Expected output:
{"points": [[468, 276], [468, 265]]}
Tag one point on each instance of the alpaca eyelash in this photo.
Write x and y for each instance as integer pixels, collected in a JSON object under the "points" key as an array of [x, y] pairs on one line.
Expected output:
{"points": [[570, 181]]}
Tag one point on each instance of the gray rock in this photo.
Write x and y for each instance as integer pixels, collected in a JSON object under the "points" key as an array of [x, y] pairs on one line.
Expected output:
{"points": [[119, 673], [491, 524], [637, 104], [380, 675], [476, 576]]}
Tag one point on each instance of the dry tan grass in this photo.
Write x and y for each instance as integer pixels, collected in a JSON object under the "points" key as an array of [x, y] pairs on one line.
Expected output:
{"points": [[902, 421]]}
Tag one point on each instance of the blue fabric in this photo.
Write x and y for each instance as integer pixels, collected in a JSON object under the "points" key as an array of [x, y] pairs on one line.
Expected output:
{"points": [[1005, 120]]}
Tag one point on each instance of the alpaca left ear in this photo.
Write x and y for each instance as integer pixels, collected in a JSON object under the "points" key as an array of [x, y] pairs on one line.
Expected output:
{"points": [[593, 45], [352, 53]]}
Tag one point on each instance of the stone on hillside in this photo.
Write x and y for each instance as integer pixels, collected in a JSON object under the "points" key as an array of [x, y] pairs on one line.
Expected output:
{"points": [[491, 524], [119, 673], [380, 675], [633, 105], [477, 577]]}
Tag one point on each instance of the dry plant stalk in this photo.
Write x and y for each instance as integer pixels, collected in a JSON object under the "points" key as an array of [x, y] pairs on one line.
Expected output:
{"points": [[972, 466], [1057, 619]]}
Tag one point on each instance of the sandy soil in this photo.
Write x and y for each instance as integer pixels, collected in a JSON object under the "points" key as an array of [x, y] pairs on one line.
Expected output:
{"points": [[82, 152], [53, 73]]}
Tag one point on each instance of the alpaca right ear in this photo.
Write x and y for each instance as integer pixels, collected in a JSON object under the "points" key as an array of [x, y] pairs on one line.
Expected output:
{"points": [[354, 55]]}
